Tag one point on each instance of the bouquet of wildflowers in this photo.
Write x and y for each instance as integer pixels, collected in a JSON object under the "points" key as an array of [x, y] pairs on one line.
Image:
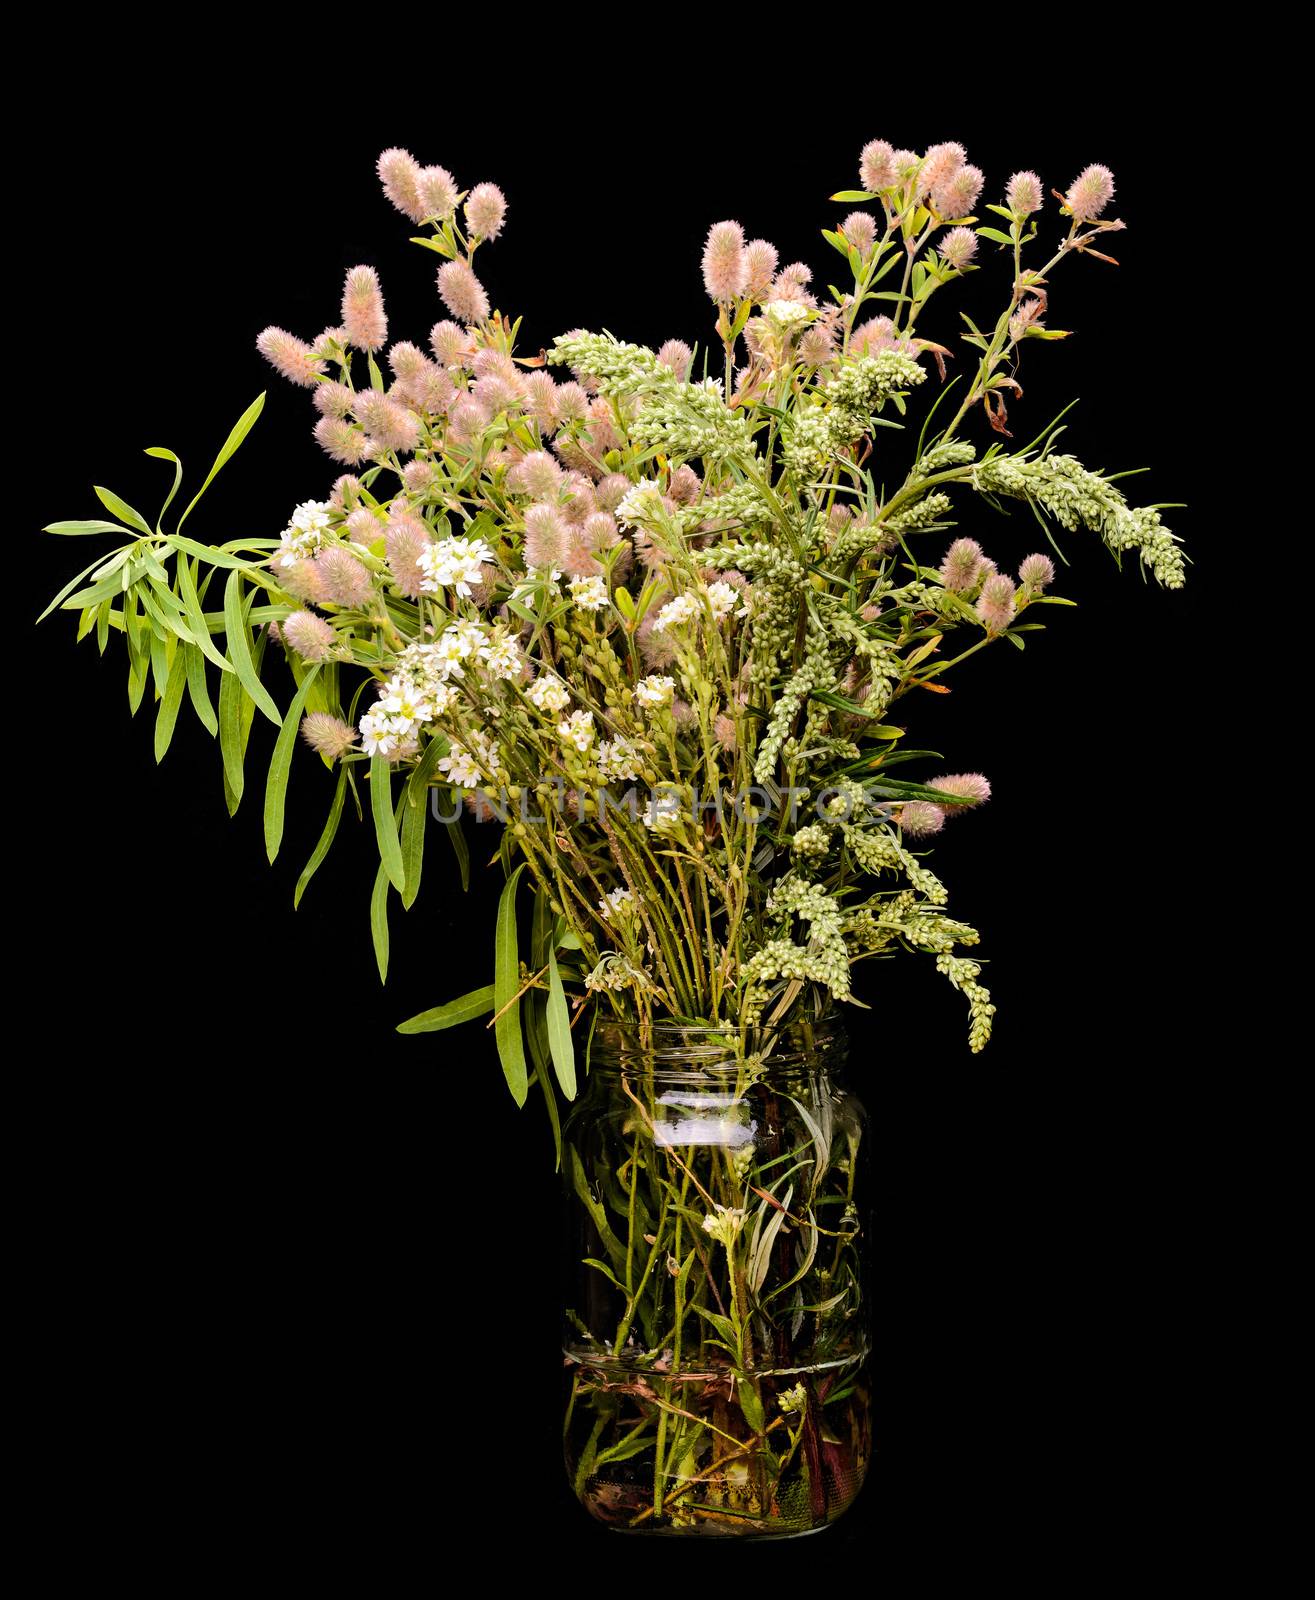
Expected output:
{"points": [[659, 616]]}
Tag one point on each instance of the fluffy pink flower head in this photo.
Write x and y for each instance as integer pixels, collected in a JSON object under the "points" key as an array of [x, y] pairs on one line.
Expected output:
{"points": [[797, 275], [1092, 191], [958, 194], [684, 485], [860, 231], [467, 420], [1036, 571], [450, 344], [328, 736], [407, 537], [920, 819], [346, 491], [676, 355], [572, 402], [600, 531], [611, 490], [538, 475], [545, 538], [289, 355], [333, 399], [760, 260], [363, 526], [387, 423], [579, 500], [958, 247], [874, 336], [341, 441], [462, 293], [972, 788], [302, 579], [407, 360], [486, 210], [346, 582], [817, 346], [1023, 193], [939, 165], [399, 172], [437, 190], [310, 636], [578, 559], [724, 269], [723, 728], [876, 166], [363, 310], [995, 604], [418, 476], [541, 398], [962, 566]]}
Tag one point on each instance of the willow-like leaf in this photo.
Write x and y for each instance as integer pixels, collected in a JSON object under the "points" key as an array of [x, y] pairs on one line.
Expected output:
{"points": [[478, 1003], [280, 763], [506, 983]]}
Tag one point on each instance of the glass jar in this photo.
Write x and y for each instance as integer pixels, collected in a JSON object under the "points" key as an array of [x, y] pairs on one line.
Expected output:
{"points": [[716, 1331]]}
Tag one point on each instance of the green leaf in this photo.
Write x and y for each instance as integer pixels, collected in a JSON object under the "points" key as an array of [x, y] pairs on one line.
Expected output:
{"points": [[161, 454], [236, 713], [212, 555], [385, 825], [750, 1403], [602, 1266], [724, 1326], [379, 923], [559, 1030], [239, 648], [198, 692], [853, 194], [415, 815], [506, 982], [122, 509], [461, 851], [81, 529], [167, 716], [326, 838], [276, 784], [996, 237], [241, 428], [478, 1003]]}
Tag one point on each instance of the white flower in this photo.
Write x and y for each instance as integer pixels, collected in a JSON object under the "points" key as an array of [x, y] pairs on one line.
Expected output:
{"points": [[617, 903], [405, 703], [655, 690], [457, 645], [618, 758], [442, 697], [379, 735], [590, 594], [503, 659], [676, 611], [452, 563], [548, 693], [305, 533], [723, 598], [578, 729], [725, 1224], [460, 767], [640, 503], [786, 314], [662, 813]]}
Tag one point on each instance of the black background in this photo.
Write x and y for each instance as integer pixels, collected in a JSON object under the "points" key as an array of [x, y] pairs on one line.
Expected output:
{"points": [[292, 1276]]}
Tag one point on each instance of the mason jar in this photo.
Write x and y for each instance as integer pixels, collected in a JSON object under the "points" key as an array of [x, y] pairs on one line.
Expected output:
{"points": [[716, 1322]]}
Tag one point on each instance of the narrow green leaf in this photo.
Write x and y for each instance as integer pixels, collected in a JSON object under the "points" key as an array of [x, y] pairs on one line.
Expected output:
{"points": [[461, 850], [478, 1003], [559, 1030], [280, 763], [81, 529], [122, 509], [167, 715], [241, 428], [161, 454], [212, 555], [415, 815], [385, 825], [195, 615], [198, 692], [379, 923], [71, 585], [506, 982], [326, 838], [239, 648]]}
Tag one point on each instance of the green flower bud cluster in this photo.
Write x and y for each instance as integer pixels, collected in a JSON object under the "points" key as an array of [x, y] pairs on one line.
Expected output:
{"points": [[963, 974], [824, 959], [1075, 498]]}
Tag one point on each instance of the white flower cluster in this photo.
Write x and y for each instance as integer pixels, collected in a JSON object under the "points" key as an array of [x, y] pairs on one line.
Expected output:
{"points": [[577, 730], [590, 594], [642, 503], [619, 903], [721, 597], [548, 694], [452, 564], [619, 759], [305, 532], [724, 1225], [389, 727], [655, 690], [469, 765]]}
